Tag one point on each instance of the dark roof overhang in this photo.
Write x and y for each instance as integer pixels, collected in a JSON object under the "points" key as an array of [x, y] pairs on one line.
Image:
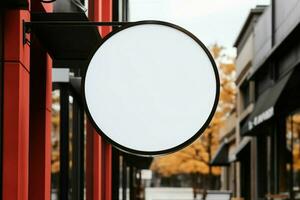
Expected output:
{"points": [[69, 46], [244, 143], [255, 11], [277, 50], [265, 106], [13, 4], [137, 161], [221, 158]]}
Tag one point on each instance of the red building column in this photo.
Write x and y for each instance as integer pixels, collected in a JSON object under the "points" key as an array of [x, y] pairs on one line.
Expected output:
{"points": [[94, 175], [40, 124], [15, 108], [107, 149], [99, 152], [40, 117]]}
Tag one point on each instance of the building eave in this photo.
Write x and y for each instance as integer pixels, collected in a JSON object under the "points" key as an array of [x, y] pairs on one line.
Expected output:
{"points": [[258, 10]]}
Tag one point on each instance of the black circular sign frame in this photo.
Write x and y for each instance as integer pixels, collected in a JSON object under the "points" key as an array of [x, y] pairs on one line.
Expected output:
{"points": [[197, 134]]}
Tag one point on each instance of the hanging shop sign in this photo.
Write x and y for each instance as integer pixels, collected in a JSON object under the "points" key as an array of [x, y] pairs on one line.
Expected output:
{"points": [[151, 88]]}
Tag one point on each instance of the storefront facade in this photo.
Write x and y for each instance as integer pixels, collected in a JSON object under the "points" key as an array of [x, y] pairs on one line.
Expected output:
{"points": [[272, 119], [266, 153], [245, 153], [224, 156], [238, 169]]}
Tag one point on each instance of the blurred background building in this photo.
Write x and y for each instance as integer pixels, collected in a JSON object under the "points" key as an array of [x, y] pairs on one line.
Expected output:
{"points": [[266, 154]]}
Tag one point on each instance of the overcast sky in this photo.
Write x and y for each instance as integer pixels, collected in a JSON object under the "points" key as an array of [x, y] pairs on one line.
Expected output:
{"points": [[212, 21]]}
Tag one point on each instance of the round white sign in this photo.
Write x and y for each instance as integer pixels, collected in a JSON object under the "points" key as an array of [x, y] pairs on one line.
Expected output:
{"points": [[151, 88]]}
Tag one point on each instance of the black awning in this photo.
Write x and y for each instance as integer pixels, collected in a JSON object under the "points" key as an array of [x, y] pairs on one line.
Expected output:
{"points": [[69, 46], [264, 106], [76, 87], [137, 161], [14, 4], [221, 158], [245, 142]]}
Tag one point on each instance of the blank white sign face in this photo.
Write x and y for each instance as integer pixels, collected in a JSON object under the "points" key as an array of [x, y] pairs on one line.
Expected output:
{"points": [[151, 88]]}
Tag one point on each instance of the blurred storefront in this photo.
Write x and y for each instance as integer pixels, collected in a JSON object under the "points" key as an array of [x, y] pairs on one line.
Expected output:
{"points": [[245, 153], [225, 157], [238, 164], [275, 73], [267, 125]]}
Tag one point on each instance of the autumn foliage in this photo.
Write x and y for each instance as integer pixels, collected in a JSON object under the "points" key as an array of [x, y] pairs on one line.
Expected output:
{"points": [[195, 158], [55, 133], [293, 140]]}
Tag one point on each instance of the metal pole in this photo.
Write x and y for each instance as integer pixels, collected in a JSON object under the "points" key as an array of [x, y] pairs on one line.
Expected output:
{"points": [[29, 25], [64, 142], [292, 162], [209, 160], [124, 179], [125, 8], [131, 183], [115, 173], [273, 22], [78, 152]]}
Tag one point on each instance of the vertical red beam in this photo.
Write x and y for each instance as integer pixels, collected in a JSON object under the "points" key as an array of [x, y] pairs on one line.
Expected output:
{"points": [[107, 171], [99, 152], [106, 16], [40, 117], [93, 166], [107, 149], [15, 108], [40, 124], [93, 140]]}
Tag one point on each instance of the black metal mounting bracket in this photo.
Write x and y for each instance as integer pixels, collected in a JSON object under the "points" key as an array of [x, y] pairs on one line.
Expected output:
{"points": [[27, 26], [25, 40]]}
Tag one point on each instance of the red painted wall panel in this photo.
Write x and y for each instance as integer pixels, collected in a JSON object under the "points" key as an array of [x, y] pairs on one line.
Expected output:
{"points": [[106, 15], [94, 165], [14, 50], [99, 153], [15, 132], [107, 172], [40, 124], [89, 162], [15, 108]]}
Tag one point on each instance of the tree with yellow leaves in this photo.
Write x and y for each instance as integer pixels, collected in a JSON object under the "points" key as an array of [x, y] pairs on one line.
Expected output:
{"points": [[293, 142], [195, 159], [55, 133]]}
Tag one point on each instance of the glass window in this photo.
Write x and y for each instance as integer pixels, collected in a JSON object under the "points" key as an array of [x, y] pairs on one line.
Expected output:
{"points": [[245, 94]]}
